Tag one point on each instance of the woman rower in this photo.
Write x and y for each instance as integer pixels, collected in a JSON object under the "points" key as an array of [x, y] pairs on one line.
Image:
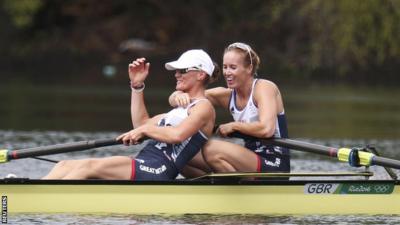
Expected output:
{"points": [[175, 137], [257, 109]]}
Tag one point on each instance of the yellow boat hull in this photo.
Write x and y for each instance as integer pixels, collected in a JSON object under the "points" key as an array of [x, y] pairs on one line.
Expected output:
{"points": [[251, 197]]}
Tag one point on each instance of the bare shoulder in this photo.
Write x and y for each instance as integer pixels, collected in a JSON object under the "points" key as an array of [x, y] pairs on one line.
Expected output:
{"points": [[205, 106], [263, 85], [267, 91], [266, 83]]}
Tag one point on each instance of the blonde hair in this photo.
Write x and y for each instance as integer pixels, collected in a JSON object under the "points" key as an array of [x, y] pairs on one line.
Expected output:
{"points": [[250, 57]]}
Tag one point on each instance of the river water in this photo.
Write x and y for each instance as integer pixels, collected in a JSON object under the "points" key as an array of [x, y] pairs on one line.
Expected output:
{"points": [[302, 162], [33, 116], [312, 111]]}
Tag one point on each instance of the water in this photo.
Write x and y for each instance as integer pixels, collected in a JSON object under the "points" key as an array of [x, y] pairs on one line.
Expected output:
{"points": [[203, 219], [301, 162], [33, 116], [312, 112], [34, 168]]}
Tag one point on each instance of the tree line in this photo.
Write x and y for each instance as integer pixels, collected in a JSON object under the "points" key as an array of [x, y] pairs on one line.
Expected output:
{"points": [[315, 40]]}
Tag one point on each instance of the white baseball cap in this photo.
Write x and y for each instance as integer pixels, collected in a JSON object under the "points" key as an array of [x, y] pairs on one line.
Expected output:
{"points": [[193, 58]]}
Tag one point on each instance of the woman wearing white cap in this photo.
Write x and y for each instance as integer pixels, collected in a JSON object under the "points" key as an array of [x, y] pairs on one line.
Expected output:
{"points": [[257, 109], [175, 137]]}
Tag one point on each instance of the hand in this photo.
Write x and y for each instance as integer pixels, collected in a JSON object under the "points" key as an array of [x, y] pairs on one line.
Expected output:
{"points": [[182, 99], [138, 71], [225, 129], [132, 137]]}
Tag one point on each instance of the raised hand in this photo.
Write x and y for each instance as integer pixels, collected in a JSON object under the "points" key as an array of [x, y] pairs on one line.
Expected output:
{"points": [[138, 71]]}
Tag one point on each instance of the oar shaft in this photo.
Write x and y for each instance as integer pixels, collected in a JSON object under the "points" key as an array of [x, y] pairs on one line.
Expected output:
{"points": [[61, 148], [329, 151], [342, 154], [303, 146], [381, 161], [292, 144]]}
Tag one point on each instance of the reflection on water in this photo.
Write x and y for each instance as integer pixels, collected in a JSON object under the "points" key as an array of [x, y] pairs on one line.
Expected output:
{"points": [[313, 112], [61, 219], [328, 116], [302, 162], [34, 168]]}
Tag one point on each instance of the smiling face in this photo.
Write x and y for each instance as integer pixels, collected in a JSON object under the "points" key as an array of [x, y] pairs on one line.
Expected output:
{"points": [[234, 69], [184, 81]]}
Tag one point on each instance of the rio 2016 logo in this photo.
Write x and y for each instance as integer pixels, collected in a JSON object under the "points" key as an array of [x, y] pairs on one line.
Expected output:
{"points": [[349, 188]]}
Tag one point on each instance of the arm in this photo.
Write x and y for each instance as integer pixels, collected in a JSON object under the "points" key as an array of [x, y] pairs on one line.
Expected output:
{"points": [[179, 98], [218, 96], [266, 97], [138, 71], [199, 118]]}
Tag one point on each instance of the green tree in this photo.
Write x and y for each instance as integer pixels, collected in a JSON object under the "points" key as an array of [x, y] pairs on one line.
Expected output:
{"points": [[357, 33], [22, 12], [315, 39]]}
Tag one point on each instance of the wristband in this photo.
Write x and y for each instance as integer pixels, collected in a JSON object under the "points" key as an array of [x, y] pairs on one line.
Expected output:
{"points": [[137, 88]]}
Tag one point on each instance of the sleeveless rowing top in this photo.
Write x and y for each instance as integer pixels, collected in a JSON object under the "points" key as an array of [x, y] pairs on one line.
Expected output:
{"points": [[192, 144], [250, 114], [175, 156]]}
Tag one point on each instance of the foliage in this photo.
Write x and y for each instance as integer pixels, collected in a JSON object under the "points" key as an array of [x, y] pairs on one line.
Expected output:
{"points": [[352, 33], [22, 11], [314, 39]]}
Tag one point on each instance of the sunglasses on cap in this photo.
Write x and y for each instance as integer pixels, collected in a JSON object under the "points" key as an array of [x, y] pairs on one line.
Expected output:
{"points": [[244, 47], [187, 70]]}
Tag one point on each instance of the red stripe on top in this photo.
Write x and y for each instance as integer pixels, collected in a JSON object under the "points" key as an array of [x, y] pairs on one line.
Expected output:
{"points": [[133, 170], [258, 163]]}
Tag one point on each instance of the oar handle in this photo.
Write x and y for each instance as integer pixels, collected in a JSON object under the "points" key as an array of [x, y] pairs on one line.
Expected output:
{"points": [[342, 154], [56, 149]]}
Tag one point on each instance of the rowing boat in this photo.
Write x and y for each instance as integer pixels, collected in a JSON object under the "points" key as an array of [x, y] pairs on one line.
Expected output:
{"points": [[210, 196], [237, 193]]}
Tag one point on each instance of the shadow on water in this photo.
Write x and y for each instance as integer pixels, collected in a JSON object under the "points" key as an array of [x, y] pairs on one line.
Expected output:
{"points": [[312, 112]]}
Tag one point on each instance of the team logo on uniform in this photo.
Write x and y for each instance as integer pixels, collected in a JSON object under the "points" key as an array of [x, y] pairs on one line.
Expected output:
{"points": [[273, 164], [152, 170]]}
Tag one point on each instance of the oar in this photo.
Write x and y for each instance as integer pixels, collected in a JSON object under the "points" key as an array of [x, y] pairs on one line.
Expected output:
{"points": [[299, 174], [7, 155], [355, 157]]}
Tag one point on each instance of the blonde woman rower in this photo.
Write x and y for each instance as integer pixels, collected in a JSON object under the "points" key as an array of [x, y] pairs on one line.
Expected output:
{"points": [[257, 109]]}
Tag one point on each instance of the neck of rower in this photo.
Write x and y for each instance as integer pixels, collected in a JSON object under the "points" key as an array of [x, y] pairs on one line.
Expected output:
{"points": [[196, 92], [243, 92]]}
